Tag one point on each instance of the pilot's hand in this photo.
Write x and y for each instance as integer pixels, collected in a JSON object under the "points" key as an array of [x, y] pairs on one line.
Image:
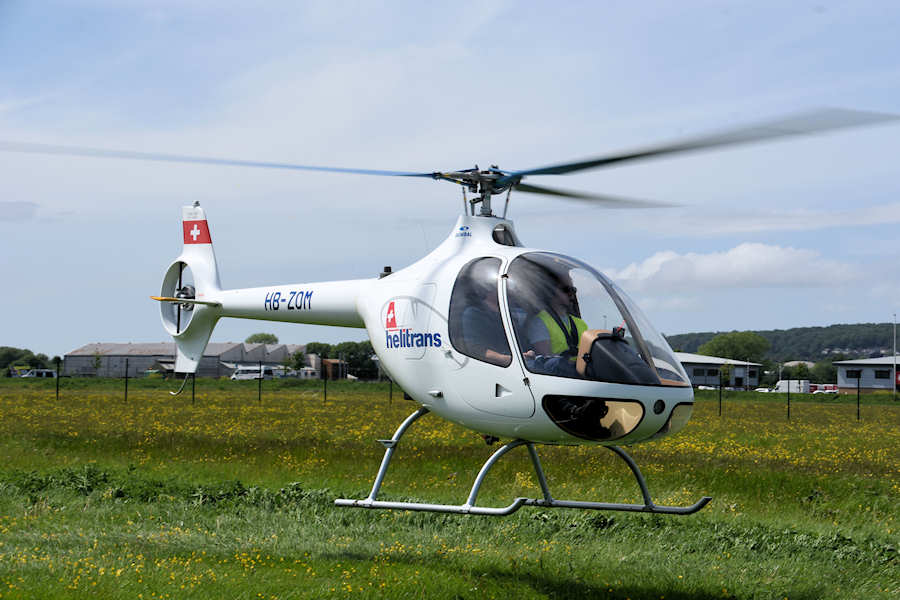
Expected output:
{"points": [[529, 355]]}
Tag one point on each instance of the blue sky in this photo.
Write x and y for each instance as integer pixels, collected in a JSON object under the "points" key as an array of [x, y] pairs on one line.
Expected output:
{"points": [[793, 233]]}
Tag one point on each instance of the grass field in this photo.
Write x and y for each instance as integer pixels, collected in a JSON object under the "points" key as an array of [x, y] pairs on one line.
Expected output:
{"points": [[228, 497]]}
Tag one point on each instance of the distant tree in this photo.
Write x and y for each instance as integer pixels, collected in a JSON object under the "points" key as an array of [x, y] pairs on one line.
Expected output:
{"points": [[725, 375], [38, 361], [320, 349], [98, 360], [802, 371], [769, 374], [262, 338], [20, 357], [824, 371], [358, 356], [296, 361], [737, 345]]}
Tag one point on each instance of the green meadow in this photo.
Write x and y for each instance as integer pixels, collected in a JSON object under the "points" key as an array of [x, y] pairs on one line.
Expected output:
{"points": [[231, 496]]}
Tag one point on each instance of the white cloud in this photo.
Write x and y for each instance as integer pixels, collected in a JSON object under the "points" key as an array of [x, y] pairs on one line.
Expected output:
{"points": [[795, 220], [17, 211], [671, 302], [748, 265]]}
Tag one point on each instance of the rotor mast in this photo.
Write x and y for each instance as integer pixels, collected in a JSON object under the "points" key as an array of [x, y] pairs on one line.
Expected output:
{"points": [[485, 183]]}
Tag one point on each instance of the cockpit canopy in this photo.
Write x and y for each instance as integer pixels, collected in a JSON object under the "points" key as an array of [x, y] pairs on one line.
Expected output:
{"points": [[568, 320], [578, 323]]}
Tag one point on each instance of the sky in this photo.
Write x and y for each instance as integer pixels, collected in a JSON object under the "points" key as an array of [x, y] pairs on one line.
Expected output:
{"points": [[798, 232]]}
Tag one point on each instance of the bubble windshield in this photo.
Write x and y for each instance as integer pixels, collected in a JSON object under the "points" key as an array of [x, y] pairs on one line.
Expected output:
{"points": [[571, 321]]}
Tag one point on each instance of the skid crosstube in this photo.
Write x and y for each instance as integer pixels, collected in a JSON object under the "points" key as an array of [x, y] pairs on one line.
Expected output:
{"points": [[469, 508]]}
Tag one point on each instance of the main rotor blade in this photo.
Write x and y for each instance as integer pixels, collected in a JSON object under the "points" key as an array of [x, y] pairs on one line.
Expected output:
{"points": [[800, 124], [31, 148], [605, 199]]}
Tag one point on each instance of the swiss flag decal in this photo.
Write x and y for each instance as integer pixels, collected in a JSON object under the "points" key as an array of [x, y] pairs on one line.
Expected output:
{"points": [[391, 320], [196, 232]]}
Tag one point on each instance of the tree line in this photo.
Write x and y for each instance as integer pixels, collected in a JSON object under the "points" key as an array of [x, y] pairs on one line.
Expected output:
{"points": [[22, 357], [753, 347], [808, 343], [357, 355]]}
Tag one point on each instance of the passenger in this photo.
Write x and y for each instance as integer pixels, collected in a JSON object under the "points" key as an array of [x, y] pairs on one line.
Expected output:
{"points": [[482, 327], [481, 323]]}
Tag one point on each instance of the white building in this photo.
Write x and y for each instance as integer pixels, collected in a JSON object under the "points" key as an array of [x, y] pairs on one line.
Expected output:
{"points": [[704, 370], [219, 358], [870, 374]]}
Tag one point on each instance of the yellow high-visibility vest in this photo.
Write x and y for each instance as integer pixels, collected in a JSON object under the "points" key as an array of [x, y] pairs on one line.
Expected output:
{"points": [[558, 341]]}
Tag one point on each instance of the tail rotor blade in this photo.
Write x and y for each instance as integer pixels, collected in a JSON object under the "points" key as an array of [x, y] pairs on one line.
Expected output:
{"points": [[178, 307]]}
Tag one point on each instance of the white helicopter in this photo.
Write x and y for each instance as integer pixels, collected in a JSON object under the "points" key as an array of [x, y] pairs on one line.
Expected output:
{"points": [[510, 341]]}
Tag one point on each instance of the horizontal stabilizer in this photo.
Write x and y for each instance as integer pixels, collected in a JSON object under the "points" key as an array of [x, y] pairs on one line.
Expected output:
{"points": [[185, 300]]}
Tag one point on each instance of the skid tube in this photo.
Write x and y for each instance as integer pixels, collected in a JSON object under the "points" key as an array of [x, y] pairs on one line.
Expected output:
{"points": [[548, 501]]}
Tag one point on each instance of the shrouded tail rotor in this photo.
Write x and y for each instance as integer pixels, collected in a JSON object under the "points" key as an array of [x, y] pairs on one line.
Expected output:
{"points": [[178, 284]]}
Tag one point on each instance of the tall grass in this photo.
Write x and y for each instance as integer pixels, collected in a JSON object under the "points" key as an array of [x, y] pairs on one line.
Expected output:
{"points": [[232, 497]]}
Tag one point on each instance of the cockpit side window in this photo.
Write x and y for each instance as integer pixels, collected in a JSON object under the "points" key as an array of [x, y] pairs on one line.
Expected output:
{"points": [[476, 328]]}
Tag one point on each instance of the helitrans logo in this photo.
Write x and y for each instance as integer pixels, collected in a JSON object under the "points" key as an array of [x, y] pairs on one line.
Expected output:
{"points": [[406, 337], [463, 232]]}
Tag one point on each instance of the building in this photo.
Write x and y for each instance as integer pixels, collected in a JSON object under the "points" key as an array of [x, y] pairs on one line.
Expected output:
{"points": [[868, 374], [219, 358], [704, 370]]}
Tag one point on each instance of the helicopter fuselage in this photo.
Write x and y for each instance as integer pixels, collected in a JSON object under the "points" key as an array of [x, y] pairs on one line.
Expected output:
{"points": [[418, 341]]}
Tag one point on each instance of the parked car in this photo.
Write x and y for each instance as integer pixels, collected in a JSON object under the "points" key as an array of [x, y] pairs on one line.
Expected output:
{"points": [[39, 373]]}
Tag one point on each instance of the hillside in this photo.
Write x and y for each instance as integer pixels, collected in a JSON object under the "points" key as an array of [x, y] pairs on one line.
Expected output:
{"points": [[809, 343]]}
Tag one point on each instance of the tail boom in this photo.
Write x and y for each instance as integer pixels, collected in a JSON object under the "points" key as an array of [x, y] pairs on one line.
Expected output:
{"points": [[190, 311], [321, 303]]}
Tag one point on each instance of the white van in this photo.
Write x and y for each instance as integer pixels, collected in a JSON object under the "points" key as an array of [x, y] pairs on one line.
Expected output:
{"points": [[796, 386], [244, 372]]}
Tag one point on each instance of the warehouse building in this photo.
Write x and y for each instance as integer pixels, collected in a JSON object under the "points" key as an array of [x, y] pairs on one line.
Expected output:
{"points": [[219, 359], [868, 374], [704, 370]]}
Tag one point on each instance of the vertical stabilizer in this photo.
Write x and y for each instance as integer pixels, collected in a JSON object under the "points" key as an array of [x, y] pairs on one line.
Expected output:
{"points": [[198, 250], [192, 276]]}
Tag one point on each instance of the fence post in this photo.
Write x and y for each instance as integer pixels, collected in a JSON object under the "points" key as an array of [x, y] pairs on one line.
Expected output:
{"points": [[57, 380], [720, 396], [259, 385], [325, 386], [858, 378], [789, 402], [193, 385], [126, 380]]}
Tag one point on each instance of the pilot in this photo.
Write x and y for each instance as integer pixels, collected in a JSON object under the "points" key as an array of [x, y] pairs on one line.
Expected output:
{"points": [[555, 331]]}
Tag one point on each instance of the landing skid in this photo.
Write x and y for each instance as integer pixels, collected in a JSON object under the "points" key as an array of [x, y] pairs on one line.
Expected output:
{"points": [[547, 501]]}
